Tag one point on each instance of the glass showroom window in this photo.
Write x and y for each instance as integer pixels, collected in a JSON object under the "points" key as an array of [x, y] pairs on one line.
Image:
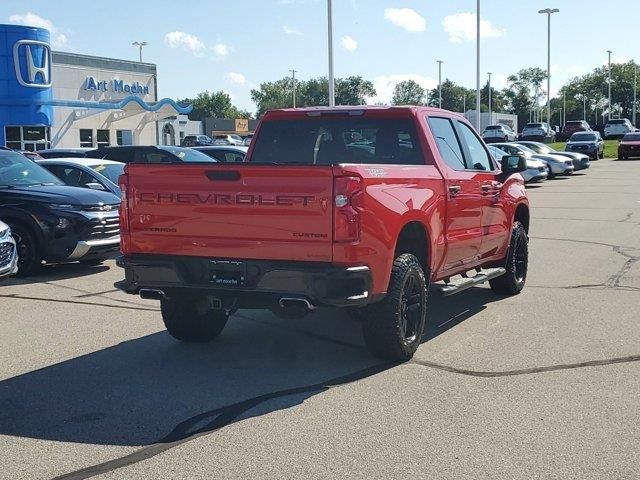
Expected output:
{"points": [[13, 138], [27, 138], [86, 138], [102, 137]]}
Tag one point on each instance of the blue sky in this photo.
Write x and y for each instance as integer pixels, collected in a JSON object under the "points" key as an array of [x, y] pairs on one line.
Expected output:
{"points": [[233, 46]]}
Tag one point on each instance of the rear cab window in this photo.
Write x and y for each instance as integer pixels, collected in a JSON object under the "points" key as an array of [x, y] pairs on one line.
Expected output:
{"points": [[327, 140]]}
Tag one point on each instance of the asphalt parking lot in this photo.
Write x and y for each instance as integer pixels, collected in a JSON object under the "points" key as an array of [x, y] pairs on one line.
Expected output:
{"points": [[542, 385]]}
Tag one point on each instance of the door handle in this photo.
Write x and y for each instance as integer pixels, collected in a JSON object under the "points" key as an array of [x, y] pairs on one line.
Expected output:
{"points": [[486, 187], [454, 190]]}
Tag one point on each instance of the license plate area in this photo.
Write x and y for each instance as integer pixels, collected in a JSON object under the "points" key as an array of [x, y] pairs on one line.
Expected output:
{"points": [[227, 273]]}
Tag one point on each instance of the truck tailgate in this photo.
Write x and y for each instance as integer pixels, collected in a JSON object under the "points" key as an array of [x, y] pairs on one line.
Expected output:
{"points": [[223, 211]]}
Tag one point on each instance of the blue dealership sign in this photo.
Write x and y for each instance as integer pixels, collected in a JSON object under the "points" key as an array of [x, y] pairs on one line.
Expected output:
{"points": [[25, 77]]}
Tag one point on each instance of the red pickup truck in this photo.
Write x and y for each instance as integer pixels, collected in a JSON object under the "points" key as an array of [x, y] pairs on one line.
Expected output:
{"points": [[361, 208]]}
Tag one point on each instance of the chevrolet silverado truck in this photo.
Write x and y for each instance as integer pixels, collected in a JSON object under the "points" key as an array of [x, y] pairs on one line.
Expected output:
{"points": [[361, 208]]}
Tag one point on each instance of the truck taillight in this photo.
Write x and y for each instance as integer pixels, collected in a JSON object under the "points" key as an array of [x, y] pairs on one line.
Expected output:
{"points": [[347, 204], [123, 183]]}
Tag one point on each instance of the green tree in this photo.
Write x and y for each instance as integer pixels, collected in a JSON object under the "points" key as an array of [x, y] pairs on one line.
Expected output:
{"points": [[214, 104], [353, 90], [454, 97], [594, 88], [524, 92], [408, 92], [279, 94]]}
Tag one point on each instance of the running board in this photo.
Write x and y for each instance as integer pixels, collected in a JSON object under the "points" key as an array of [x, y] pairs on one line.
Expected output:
{"points": [[485, 275]]}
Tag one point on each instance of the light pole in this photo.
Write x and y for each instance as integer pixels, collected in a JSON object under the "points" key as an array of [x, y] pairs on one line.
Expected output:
{"points": [[609, 68], [332, 93], [464, 103], [584, 107], [440, 62], [490, 117], [478, 65], [564, 108], [293, 78], [140, 45], [549, 11], [635, 90]]}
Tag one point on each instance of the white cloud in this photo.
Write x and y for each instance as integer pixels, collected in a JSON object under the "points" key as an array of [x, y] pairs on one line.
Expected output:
{"points": [[499, 81], [576, 70], [58, 39], [291, 31], [620, 59], [349, 43], [462, 27], [385, 84], [186, 41], [221, 50], [238, 78], [406, 18]]}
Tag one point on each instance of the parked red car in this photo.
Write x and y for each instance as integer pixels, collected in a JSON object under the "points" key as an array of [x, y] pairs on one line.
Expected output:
{"points": [[360, 208], [629, 146], [573, 126]]}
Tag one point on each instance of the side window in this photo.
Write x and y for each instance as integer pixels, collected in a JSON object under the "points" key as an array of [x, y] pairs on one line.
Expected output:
{"points": [[447, 142], [233, 157], [478, 157]]}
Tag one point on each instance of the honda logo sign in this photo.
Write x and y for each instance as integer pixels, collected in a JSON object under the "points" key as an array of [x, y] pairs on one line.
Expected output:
{"points": [[36, 66]]}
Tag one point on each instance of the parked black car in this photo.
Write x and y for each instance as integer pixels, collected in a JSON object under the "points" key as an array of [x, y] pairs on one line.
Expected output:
{"points": [[225, 154], [196, 141], [52, 222], [149, 154], [589, 143]]}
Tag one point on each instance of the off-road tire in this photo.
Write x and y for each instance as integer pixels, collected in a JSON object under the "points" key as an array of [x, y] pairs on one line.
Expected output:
{"points": [[512, 282], [386, 333], [189, 319], [29, 259]]}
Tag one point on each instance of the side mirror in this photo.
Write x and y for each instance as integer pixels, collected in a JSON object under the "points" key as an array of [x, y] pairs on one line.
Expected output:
{"points": [[95, 186], [513, 164]]}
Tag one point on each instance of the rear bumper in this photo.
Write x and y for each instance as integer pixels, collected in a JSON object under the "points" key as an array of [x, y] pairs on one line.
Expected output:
{"points": [[250, 283]]}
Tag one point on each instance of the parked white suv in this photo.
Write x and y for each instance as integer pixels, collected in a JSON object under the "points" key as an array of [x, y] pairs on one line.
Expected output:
{"points": [[539, 132], [618, 128], [499, 133], [231, 139]]}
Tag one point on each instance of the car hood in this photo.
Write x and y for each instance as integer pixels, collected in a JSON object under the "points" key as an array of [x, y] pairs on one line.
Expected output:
{"points": [[586, 142], [59, 194], [548, 157], [634, 143], [575, 155]]}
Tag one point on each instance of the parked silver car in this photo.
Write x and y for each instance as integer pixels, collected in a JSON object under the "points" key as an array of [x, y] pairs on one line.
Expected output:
{"points": [[8, 252], [557, 164], [499, 133], [580, 160], [537, 171]]}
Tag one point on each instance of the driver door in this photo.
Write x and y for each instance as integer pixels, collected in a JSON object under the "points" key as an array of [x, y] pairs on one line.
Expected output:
{"points": [[495, 226]]}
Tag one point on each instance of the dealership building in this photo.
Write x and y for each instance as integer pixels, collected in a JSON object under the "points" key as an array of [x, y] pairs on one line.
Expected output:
{"points": [[67, 100]]}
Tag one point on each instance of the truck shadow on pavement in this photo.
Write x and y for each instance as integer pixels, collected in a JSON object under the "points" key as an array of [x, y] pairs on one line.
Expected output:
{"points": [[153, 389], [63, 271]]}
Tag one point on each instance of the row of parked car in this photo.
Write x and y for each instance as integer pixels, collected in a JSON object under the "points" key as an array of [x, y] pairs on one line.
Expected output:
{"points": [[219, 140], [543, 132], [543, 162]]}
